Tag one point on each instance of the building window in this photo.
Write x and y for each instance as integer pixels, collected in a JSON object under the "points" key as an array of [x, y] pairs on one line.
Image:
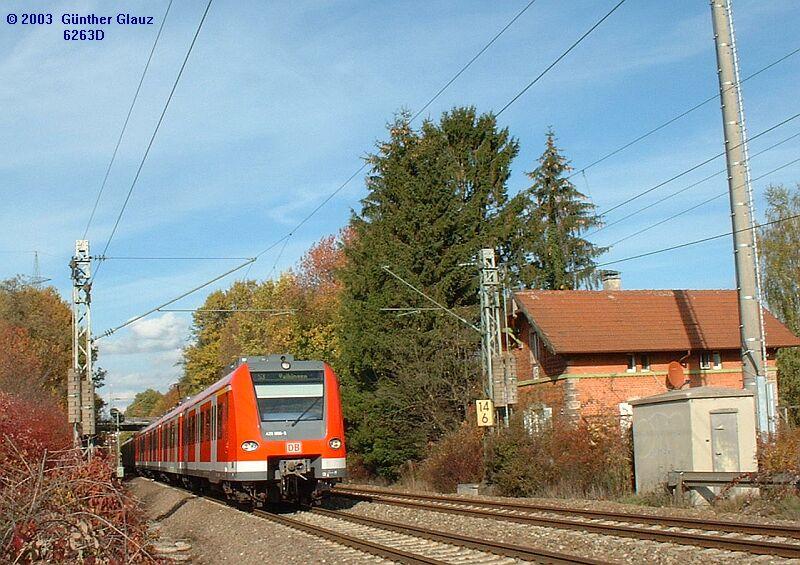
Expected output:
{"points": [[645, 362], [705, 360], [717, 360], [535, 345], [631, 363]]}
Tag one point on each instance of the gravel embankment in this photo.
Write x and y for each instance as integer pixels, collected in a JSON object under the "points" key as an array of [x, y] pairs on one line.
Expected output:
{"points": [[222, 534], [597, 546]]}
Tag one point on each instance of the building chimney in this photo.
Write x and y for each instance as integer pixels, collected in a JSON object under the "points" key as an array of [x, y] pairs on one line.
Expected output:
{"points": [[612, 280]]}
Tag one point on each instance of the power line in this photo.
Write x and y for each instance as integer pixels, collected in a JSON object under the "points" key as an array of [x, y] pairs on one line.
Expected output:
{"points": [[429, 299], [704, 202], [679, 116], [414, 117], [698, 241], [687, 171], [155, 131], [560, 57], [174, 300], [694, 184], [121, 258], [364, 165], [274, 311], [127, 119], [475, 58]]}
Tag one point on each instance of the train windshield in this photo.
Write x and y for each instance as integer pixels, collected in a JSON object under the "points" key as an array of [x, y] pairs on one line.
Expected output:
{"points": [[289, 396]]}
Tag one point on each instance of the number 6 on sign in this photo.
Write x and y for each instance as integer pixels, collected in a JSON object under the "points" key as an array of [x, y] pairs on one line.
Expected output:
{"points": [[485, 412]]}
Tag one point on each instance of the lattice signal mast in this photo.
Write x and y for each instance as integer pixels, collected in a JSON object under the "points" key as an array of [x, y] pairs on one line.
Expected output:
{"points": [[498, 363], [80, 386]]}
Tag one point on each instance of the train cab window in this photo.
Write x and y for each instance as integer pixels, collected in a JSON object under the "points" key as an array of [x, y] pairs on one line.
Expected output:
{"points": [[289, 396]]}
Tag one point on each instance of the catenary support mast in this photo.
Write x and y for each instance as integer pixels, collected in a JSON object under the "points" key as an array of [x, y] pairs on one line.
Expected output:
{"points": [[80, 387], [745, 252]]}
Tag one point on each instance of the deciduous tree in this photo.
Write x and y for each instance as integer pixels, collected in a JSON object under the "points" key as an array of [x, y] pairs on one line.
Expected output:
{"points": [[780, 245]]}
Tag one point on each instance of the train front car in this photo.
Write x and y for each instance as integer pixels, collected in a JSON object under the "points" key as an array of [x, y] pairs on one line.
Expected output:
{"points": [[299, 427]]}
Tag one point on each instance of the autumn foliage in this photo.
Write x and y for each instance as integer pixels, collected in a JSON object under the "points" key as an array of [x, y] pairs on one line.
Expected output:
{"points": [[55, 506]]}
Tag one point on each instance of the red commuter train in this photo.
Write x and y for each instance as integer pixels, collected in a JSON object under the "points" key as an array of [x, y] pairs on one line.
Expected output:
{"points": [[270, 430]]}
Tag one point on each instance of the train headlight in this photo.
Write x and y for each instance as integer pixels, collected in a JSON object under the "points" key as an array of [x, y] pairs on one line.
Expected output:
{"points": [[285, 365], [250, 445], [335, 443]]}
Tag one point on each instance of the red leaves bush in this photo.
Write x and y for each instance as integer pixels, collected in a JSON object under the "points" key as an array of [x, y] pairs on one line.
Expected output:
{"points": [[55, 506], [587, 459]]}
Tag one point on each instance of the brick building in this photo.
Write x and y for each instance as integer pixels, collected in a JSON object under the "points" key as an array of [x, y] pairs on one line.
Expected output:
{"points": [[590, 352]]}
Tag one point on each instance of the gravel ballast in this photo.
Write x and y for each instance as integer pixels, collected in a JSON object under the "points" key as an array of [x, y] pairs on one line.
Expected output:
{"points": [[597, 546], [221, 534]]}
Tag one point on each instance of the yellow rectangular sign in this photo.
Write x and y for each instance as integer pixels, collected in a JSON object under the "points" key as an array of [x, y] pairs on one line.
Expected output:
{"points": [[485, 412]]}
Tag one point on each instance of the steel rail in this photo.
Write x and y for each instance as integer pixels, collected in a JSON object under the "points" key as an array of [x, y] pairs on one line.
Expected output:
{"points": [[760, 547], [731, 526], [350, 541], [504, 549]]}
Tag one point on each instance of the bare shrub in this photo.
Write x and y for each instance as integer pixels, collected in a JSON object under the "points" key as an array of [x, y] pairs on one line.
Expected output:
{"points": [[456, 458], [587, 459], [55, 506]]}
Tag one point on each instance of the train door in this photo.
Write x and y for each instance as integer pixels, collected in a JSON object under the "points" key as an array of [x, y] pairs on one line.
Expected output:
{"points": [[213, 430], [205, 432], [197, 422], [222, 427]]}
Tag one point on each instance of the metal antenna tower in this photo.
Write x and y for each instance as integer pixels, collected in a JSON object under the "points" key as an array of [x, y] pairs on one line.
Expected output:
{"points": [[754, 359], [80, 386]]}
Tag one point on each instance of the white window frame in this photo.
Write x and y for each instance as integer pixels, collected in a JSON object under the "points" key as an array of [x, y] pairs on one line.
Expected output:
{"points": [[645, 361], [705, 360], [717, 360], [631, 363]]}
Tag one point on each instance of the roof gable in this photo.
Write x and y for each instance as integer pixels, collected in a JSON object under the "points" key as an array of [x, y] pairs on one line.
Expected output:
{"points": [[586, 321]]}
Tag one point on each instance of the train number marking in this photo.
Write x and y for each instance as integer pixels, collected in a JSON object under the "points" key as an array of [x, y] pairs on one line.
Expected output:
{"points": [[294, 447]]}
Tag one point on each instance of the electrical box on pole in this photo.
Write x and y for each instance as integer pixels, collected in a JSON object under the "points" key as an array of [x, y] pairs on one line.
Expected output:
{"points": [[80, 386], [754, 368]]}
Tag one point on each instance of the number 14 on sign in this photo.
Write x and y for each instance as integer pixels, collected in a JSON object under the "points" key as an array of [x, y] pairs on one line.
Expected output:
{"points": [[485, 412]]}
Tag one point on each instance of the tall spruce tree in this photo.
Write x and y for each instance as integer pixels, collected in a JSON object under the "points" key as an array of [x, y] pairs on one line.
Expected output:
{"points": [[551, 251], [436, 196]]}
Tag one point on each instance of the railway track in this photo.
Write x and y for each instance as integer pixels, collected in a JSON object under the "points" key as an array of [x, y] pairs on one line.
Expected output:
{"points": [[406, 543], [717, 534]]}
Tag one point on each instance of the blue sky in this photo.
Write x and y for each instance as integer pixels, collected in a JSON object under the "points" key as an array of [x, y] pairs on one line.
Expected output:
{"points": [[280, 100]]}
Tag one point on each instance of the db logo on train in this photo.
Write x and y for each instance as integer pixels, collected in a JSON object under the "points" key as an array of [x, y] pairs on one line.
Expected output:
{"points": [[294, 447]]}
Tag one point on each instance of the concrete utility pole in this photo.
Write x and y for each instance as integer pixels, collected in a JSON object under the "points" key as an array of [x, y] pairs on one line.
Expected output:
{"points": [[745, 252], [80, 387]]}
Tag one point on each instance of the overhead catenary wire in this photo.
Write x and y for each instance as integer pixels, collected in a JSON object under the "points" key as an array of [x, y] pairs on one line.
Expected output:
{"points": [[680, 115], [698, 241], [155, 132], [690, 186], [142, 258], [686, 172], [703, 203], [127, 119]]}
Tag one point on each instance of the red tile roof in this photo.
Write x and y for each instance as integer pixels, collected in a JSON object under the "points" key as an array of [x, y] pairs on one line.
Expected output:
{"points": [[585, 321]]}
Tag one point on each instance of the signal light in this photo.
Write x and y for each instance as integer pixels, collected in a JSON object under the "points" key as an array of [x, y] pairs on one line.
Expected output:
{"points": [[335, 443]]}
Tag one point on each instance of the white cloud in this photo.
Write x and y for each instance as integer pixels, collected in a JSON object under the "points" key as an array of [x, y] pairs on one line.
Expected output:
{"points": [[164, 334]]}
